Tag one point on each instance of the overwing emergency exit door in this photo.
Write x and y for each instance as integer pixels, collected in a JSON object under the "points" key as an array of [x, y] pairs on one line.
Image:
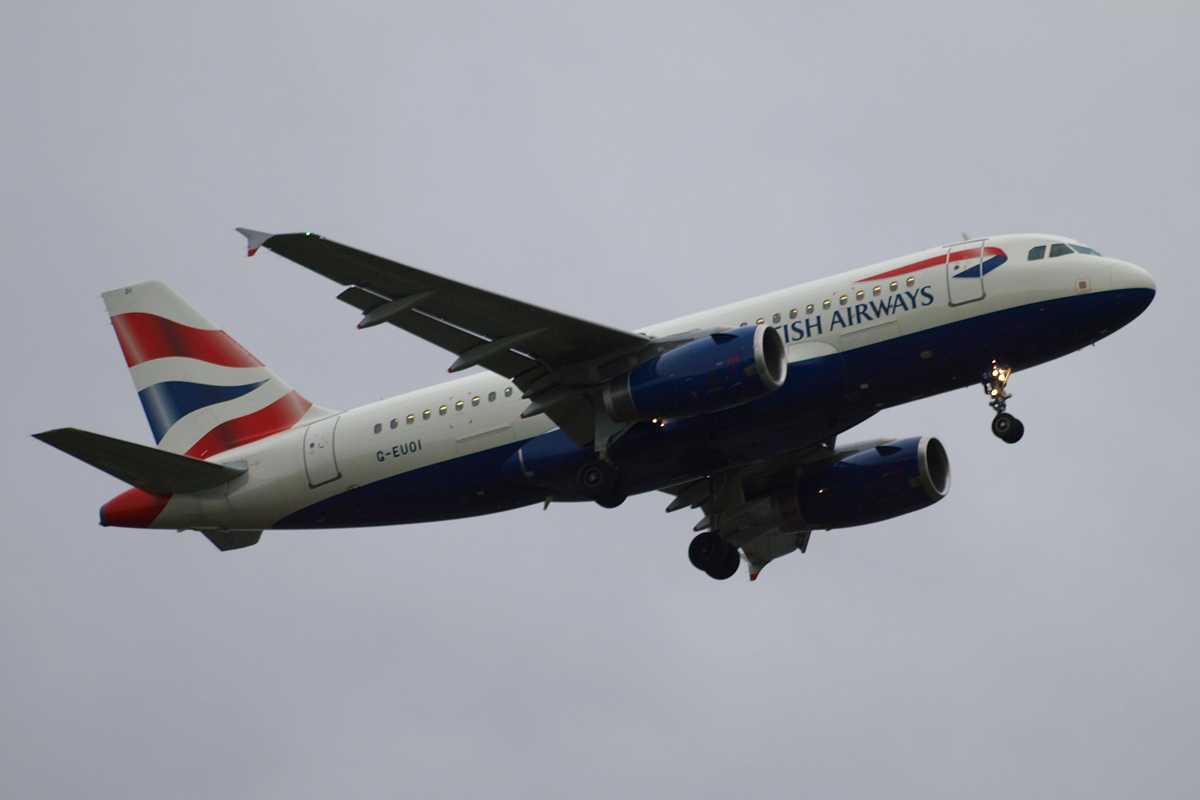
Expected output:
{"points": [[320, 461], [964, 272]]}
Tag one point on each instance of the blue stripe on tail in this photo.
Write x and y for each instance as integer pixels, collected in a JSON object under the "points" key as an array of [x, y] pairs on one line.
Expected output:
{"points": [[168, 402]]}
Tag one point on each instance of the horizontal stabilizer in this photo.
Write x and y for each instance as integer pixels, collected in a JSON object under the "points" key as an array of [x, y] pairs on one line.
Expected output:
{"points": [[152, 470]]}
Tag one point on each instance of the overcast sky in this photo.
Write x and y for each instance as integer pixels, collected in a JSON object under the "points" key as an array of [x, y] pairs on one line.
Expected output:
{"points": [[1034, 634]]}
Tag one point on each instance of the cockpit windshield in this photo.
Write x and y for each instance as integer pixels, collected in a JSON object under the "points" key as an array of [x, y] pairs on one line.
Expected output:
{"points": [[1059, 249]]}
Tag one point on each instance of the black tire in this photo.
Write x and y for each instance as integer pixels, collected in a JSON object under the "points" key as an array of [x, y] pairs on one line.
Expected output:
{"points": [[728, 567], [614, 499], [597, 479], [1002, 424], [707, 551], [1015, 432]]}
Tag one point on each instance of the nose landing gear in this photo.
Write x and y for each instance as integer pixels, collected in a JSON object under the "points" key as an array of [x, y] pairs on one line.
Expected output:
{"points": [[1004, 425]]}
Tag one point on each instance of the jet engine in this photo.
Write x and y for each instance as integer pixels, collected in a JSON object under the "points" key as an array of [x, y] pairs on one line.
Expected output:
{"points": [[709, 374], [875, 484]]}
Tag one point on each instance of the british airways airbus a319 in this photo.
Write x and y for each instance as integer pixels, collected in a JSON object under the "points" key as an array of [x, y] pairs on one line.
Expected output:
{"points": [[734, 411]]}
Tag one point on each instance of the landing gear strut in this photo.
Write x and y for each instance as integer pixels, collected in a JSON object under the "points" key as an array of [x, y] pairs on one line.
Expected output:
{"points": [[712, 554], [1004, 425]]}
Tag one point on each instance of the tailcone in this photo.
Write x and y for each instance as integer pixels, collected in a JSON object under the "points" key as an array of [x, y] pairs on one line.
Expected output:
{"points": [[133, 509]]}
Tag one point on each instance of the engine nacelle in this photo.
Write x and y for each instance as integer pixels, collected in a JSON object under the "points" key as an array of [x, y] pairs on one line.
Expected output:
{"points": [[876, 484], [714, 373]]}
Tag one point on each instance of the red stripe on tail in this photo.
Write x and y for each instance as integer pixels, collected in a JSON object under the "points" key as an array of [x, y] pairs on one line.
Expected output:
{"points": [[133, 509], [279, 416], [145, 337]]}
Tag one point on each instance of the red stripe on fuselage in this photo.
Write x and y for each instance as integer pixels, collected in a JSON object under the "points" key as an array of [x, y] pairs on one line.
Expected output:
{"points": [[279, 416], [145, 337], [133, 509], [957, 255]]}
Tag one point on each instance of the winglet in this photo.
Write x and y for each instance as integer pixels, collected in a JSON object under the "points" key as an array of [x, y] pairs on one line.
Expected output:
{"points": [[254, 239]]}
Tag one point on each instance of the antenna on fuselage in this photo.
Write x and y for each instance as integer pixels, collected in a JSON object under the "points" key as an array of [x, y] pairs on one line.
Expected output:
{"points": [[966, 238]]}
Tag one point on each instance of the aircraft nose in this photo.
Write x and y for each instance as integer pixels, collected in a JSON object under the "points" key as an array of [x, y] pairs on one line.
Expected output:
{"points": [[1126, 276], [1132, 291]]}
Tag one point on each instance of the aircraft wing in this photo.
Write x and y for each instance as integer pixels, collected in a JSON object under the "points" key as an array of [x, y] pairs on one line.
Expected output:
{"points": [[553, 358]]}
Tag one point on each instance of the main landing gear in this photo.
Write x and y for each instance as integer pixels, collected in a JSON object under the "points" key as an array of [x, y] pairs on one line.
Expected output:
{"points": [[712, 554], [1004, 425], [598, 480]]}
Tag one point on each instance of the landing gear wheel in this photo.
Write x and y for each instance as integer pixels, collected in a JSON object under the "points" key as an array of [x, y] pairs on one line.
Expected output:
{"points": [[711, 554], [706, 551], [995, 383], [597, 479], [729, 567], [614, 499], [1008, 428]]}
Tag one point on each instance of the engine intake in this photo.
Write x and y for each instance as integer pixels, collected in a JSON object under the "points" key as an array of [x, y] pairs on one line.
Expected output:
{"points": [[710, 374]]}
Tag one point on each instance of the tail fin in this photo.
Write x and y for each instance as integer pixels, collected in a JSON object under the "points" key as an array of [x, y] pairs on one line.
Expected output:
{"points": [[202, 392]]}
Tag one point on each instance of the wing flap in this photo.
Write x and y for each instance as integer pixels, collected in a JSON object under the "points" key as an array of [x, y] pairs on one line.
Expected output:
{"points": [[148, 468], [444, 336]]}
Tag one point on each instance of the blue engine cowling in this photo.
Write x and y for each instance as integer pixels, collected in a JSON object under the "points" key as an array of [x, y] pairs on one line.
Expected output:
{"points": [[710, 374], [876, 484]]}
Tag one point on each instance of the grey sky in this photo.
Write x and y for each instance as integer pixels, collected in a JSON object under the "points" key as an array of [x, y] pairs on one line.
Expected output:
{"points": [[1035, 634]]}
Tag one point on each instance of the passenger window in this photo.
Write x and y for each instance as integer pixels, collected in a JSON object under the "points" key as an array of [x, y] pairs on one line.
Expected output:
{"points": [[859, 294], [1037, 252], [395, 424], [776, 318], [458, 406], [427, 414], [378, 427], [760, 321], [842, 300], [911, 280], [876, 291], [491, 397], [508, 391], [808, 309], [894, 285], [442, 411], [411, 417], [826, 304], [1057, 250], [474, 401]]}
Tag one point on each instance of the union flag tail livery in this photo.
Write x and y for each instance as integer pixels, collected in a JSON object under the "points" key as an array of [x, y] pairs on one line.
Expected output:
{"points": [[735, 412], [202, 392]]}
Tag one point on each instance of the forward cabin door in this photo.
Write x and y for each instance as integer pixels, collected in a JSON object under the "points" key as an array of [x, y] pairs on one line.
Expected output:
{"points": [[964, 271], [319, 460]]}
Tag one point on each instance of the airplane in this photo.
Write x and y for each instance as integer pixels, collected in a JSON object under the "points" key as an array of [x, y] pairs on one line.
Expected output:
{"points": [[734, 412]]}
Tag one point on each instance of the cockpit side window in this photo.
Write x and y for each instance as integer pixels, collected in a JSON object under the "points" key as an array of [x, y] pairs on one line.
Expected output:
{"points": [[1057, 250], [1037, 252], [1085, 250]]}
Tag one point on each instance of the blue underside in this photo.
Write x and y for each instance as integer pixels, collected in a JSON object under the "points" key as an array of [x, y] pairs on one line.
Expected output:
{"points": [[796, 416]]}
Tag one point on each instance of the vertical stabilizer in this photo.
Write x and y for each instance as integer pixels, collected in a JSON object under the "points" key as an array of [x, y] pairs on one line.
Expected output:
{"points": [[202, 392]]}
